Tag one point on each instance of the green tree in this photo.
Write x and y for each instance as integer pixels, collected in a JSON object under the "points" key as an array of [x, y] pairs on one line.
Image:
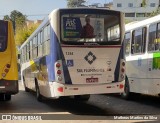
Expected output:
{"points": [[154, 13], [75, 3], [6, 17], [23, 33], [17, 18], [143, 4]]}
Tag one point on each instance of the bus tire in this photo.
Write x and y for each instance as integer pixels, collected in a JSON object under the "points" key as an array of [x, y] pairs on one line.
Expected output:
{"points": [[82, 97], [126, 94], [38, 95], [7, 97]]}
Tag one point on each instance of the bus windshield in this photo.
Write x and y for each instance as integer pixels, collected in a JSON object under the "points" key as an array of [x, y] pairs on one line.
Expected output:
{"points": [[3, 35], [102, 28]]}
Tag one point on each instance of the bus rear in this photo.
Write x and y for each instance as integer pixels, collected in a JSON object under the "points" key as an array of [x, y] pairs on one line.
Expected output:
{"points": [[91, 49], [8, 62]]}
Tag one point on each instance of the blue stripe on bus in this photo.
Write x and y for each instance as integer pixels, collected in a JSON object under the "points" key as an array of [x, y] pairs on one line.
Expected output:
{"points": [[56, 53], [67, 77], [53, 56]]}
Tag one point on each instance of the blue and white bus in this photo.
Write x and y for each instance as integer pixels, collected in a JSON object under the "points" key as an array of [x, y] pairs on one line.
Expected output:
{"points": [[75, 52]]}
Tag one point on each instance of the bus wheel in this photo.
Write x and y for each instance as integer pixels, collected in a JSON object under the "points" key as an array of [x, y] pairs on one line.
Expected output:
{"points": [[126, 93], [38, 95], [7, 97], [82, 97]]}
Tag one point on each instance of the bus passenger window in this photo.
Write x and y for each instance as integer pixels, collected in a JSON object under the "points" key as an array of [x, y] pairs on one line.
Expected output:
{"points": [[158, 37], [152, 38], [3, 35], [28, 52], [34, 48], [46, 37], [144, 35], [2, 40], [40, 45], [48, 31], [127, 43], [135, 43], [158, 30], [138, 40], [30, 49]]}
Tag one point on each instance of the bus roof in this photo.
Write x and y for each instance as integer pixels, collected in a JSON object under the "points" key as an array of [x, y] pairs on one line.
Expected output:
{"points": [[142, 23]]}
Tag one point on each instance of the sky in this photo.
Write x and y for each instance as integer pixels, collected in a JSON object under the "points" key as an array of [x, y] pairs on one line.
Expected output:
{"points": [[36, 9]]}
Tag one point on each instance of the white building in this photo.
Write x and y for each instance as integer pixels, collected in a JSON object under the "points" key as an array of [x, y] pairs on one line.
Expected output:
{"points": [[108, 5], [30, 22], [136, 10]]}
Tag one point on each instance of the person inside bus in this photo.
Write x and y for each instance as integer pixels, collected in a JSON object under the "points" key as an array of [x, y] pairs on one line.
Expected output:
{"points": [[87, 30]]}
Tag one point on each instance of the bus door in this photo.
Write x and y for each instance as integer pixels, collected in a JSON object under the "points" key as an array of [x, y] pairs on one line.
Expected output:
{"points": [[137, 62]]}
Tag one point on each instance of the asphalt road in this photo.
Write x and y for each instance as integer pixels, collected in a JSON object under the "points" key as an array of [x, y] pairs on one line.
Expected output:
{"points": [[98, 106]]}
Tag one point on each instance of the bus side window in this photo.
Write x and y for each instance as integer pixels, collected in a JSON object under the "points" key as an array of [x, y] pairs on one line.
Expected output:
{"points": [[158, 36], [34, 50], [31, 49], [3, 35], [138, 41], [144, 35], [40, 44], [36, 45], [28, 52], [46, 46], [44, 40], [133, 42], [25, 53], [152, 38], [21, 56], [127, 43], [158, 30]]}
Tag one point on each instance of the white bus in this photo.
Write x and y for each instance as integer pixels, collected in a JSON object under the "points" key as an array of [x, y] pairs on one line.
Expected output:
{"points": [[75, 52], [142, 51]]}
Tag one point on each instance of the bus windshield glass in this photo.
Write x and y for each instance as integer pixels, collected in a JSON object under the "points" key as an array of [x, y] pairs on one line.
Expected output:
{"points": [[94, 28], [3, 35]]}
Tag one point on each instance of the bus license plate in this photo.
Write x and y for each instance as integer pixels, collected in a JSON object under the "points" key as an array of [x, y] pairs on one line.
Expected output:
{"points": [[91, 80]]}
